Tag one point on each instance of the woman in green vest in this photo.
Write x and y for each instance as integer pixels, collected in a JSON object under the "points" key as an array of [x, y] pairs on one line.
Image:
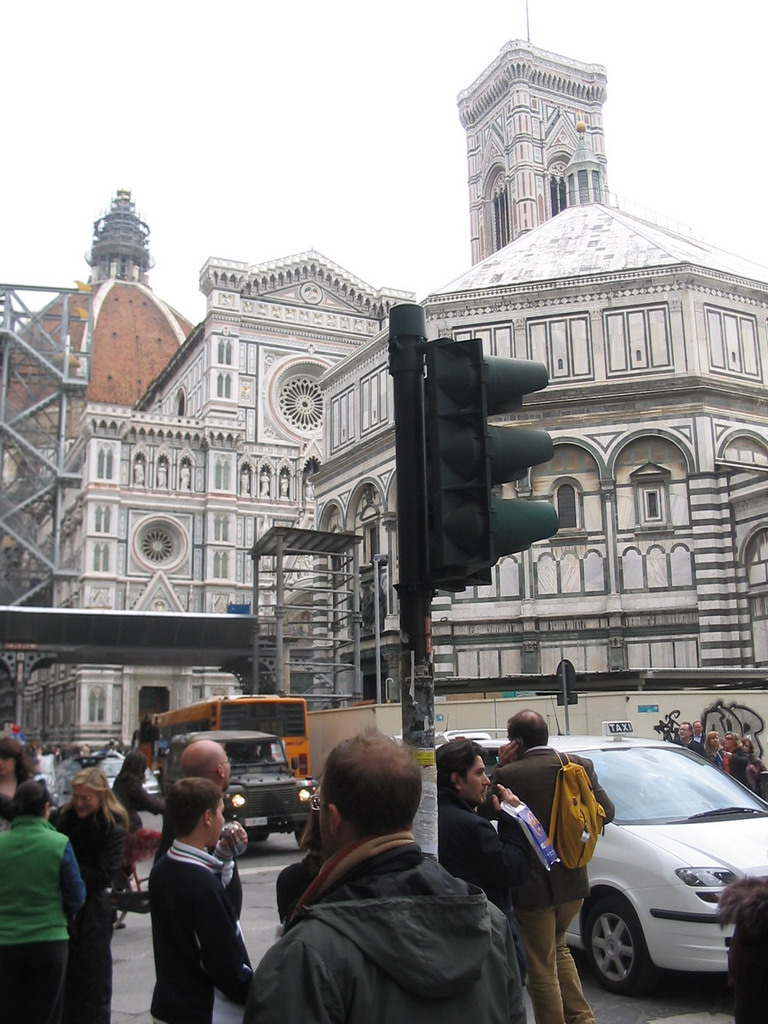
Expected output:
{"points": [[41, 890]]}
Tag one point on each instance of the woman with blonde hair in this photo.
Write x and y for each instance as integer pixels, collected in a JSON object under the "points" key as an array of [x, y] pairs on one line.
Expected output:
{"points": [[712, 749], [95, 822]]}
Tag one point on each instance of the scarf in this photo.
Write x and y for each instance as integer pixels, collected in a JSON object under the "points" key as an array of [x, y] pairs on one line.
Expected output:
{"points": [[342, 862], [186, 854]]}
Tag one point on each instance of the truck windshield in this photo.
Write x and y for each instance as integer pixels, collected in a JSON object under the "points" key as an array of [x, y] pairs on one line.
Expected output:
{"points": [[243, 753]]}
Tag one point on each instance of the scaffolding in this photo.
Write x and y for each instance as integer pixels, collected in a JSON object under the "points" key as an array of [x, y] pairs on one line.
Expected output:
{"points": [[306, 603], [45, 344]]}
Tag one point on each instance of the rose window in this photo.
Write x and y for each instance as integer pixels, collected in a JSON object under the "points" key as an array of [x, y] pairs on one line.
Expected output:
{"points": [[300, 403], [157, 544]]}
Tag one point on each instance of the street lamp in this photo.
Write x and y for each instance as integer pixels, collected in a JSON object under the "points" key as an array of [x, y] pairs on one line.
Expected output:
{"points": [[378, 561]]}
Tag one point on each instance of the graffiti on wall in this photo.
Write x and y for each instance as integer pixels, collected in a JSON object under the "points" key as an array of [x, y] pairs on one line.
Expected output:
{"points": [[720, 717]]}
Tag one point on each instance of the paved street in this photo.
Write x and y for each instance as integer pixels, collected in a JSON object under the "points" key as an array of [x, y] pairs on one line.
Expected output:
{"points": [[679, 999]]}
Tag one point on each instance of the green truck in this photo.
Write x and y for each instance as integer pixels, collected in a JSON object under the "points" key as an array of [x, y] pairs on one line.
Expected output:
{"points": [[263, 795]]}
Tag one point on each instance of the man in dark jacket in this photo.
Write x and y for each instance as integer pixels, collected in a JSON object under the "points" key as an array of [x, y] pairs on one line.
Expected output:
{"points": [[685, 739], [469, 847], [549, 900], [384, 934]]}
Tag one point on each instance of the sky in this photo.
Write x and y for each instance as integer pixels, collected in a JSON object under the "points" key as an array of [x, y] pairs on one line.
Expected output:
{"points": [[253, 131]]}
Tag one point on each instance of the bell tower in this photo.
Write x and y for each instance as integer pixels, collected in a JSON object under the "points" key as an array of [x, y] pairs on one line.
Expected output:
{"points": [[521, 117]]}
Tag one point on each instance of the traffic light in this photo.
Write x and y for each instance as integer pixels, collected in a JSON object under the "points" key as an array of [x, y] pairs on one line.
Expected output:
{"points": [[469, 528]]}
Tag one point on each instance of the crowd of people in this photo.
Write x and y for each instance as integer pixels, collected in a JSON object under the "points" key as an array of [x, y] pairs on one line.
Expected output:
{"points": [[372, 930], [733, 754]]}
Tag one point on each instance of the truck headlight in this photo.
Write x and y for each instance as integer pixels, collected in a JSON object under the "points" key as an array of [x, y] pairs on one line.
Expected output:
{"points": [[237, 800]]}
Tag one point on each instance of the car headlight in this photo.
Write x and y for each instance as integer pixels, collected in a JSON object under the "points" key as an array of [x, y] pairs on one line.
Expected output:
{"points": [[705, 876], [237, 800], [305, 794]]}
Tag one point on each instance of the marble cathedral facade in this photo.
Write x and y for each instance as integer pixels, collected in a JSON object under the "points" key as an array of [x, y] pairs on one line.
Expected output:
{"points": [[224, 444]]}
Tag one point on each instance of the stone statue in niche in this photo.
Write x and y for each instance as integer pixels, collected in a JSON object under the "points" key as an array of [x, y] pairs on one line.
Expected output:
{"points": [[138, 472], [264, 483], [162, 473], [245, 480], [185, 477], [283, 485]]}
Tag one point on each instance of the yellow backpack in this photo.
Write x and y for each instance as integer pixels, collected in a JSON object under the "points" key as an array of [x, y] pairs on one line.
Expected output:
{"points": [[577, 817]]}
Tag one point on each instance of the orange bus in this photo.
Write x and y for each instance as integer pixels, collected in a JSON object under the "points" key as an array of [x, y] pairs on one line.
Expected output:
{"points": [[285, 717]]}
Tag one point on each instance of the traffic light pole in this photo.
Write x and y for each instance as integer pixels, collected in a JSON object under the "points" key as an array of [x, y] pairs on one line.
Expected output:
{"points": [[407, 336]]}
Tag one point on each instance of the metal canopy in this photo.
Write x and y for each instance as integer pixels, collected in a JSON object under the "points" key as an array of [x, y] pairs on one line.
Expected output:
{"points": [[79, 636], [304, 542]]}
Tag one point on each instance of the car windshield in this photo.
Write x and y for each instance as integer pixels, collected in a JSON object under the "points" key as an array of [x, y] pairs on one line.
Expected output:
{"points": [[110, 766], [656, 785], [243, 753]]}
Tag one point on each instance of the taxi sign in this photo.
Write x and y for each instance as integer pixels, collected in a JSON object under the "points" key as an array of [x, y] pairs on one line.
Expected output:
{"points": [[618, 729]]}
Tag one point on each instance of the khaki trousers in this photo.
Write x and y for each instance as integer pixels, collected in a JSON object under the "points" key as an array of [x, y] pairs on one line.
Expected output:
{"points": [[553, 981]]}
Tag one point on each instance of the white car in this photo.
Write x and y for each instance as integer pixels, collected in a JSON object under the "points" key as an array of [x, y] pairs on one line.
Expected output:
{"points": [[683, 829], [489, 739], [110, 762]]}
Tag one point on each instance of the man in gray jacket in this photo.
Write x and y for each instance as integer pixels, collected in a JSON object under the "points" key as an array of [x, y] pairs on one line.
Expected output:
{"points": [[384, 934], [547, 901]]}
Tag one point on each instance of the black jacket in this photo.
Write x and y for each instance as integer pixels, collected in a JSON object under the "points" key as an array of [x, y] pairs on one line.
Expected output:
{"points": [[99, 849], [470, 848], [197, 943]]}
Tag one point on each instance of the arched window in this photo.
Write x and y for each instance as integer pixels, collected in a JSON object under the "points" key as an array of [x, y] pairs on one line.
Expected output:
{"points": [[225, 352], [632, 569], [509, 577], [546, 575], [102, 519], [557, 198], [501, 216], [681, 568], [367, 521], [570, 574], [181, 403], [594, 575], [97, 704], [104, 463], [756, 560], [101, 558], [656, 565], [566, 506], [221, 475]]}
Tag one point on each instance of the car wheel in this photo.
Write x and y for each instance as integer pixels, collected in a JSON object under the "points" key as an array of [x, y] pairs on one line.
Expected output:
{"points": [[616, 948]]}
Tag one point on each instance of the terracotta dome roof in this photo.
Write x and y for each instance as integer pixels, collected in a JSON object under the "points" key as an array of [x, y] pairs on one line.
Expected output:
{"points": [[135, 335]]}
